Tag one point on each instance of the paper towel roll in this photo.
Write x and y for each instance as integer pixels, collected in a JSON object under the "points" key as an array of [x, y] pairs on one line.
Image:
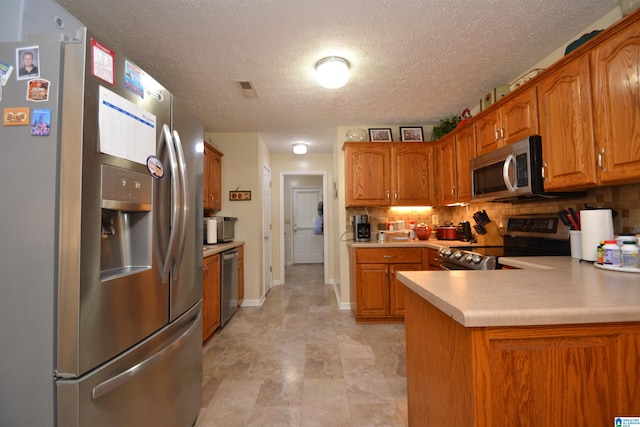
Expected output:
{"points": [[212, 231], [596, 225]]}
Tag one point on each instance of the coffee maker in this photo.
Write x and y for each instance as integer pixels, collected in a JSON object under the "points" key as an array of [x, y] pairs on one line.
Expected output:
{"points": [[361, 228]]}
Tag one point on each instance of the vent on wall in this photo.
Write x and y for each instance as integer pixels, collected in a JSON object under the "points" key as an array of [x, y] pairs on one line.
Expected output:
{"points": [[247, 89]]}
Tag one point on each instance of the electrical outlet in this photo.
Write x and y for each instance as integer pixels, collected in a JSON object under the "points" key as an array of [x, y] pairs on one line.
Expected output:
{"points": [[434, 220]]}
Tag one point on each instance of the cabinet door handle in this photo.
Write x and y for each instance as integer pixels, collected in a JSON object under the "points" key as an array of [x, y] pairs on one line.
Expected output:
{"points": [[388, 195], [601, 161], [543, 170], [497, 135], [395, 194], [388, 256], [502, 133], [453, 191]]}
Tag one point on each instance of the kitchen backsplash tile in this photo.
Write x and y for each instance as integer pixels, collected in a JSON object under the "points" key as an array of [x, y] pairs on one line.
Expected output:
{"points": [[625, 199]]}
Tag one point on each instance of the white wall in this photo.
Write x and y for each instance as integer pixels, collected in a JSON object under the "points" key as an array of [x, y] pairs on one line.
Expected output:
{"points": [[242, 164]]}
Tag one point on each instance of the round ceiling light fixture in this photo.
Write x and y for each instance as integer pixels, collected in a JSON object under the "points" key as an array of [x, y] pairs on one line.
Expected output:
{"points": [[300, 149], [332, 72]]}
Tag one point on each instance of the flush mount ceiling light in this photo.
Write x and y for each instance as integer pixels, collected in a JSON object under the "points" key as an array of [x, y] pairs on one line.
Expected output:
{"points": [[300, 149], [332, 72]]}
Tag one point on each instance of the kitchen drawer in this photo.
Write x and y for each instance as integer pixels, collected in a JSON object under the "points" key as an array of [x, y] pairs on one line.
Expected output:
{"points": [[389, 255]]}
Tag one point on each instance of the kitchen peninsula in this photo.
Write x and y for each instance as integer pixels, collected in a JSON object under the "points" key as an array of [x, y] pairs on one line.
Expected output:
{"points": [[554, 343]]}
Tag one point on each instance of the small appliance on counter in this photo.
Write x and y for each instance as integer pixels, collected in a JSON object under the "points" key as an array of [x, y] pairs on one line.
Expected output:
{"points": [[466, 235], [226, 228], [361, 228], [448, 232]]}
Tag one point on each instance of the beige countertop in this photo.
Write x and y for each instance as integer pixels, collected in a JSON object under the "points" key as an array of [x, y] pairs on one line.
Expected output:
{"points": [[431, 243], [208, 250], [549, 291]]}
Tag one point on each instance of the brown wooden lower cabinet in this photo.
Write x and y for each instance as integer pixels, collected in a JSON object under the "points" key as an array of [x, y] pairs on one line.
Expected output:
{"points": [[210, 295], [557, 375], [240, 275], [376, 294]]}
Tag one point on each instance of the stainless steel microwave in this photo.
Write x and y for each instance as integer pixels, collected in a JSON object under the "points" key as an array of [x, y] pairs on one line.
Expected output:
{"points": [[226, 228], [511, 173]]}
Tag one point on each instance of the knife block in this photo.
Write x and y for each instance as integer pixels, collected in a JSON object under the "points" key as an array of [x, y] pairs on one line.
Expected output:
{"points": [[492, 238]]}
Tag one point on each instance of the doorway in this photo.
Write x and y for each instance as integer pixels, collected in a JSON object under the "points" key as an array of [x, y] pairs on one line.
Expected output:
{"points": [[289, 180], [307, 225]]}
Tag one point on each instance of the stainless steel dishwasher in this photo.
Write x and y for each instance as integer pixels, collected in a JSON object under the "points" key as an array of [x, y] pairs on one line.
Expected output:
{"points": [[229, 285]]}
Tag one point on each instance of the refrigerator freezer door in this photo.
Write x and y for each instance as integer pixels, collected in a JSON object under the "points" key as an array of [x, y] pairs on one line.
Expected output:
{"points": [[156, 383]]}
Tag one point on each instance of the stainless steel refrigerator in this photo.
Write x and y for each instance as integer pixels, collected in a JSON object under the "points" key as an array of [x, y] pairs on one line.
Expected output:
{"points": [[100, 233]]}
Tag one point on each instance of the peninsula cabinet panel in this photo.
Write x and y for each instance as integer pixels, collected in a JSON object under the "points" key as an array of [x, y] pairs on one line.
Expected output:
{"points": [[526, 376], [566, 126], [616, 64], [515, 119]]}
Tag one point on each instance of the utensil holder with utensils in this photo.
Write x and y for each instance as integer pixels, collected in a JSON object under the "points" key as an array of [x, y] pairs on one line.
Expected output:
{"points": [[492, 236]]}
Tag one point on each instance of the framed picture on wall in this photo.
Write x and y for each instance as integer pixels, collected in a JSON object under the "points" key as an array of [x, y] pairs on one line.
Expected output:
{"points": [[380, 135], [411, 134]]}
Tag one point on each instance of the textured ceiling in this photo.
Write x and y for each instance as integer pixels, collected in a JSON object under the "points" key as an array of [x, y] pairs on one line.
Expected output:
{"points": [[412, 61]]}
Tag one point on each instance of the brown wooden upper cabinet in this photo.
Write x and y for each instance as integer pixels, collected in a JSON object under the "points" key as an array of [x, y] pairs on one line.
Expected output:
{"points": [[388, 174], [212, 178], [566, 126], [590, 114], [514, 119], [454, 173], [616, 94]]}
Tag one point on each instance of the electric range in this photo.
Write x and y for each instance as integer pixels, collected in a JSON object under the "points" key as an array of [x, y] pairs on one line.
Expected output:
{"points": [[523, 235]]}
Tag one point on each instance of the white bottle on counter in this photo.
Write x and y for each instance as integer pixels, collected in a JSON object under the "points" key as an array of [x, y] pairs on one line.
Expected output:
{"points": [[412, 230], [611, 253], [629, 254]]}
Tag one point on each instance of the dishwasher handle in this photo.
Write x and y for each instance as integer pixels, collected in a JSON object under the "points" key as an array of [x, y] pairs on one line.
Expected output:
{"points": [[230, 254]]}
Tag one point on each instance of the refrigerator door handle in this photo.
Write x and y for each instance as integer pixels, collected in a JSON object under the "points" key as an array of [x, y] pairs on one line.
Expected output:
{"points": [[120, 379], [175, 217], [184, 188]]}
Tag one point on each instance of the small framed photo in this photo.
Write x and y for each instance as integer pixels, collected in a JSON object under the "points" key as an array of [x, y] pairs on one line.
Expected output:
{"points": [[380, 135], [411, 134], [239, 196], [28, 62]]}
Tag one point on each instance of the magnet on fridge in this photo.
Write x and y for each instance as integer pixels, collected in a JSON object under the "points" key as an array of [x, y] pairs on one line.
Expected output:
{"points": [[155, 167]]}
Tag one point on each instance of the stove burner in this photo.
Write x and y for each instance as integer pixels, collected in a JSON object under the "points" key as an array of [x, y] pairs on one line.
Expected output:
{"points": [[458, 259]]}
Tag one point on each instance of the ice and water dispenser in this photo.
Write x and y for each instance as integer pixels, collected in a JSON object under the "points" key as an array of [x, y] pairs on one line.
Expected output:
{"points": [[126, 238]]}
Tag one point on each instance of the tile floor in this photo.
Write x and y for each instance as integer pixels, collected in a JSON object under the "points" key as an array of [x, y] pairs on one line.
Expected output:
{"points": [[300, 361]]}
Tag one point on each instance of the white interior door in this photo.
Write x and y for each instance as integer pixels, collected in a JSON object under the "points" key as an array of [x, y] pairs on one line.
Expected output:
{"points": [[308, 247], [266, 230]]}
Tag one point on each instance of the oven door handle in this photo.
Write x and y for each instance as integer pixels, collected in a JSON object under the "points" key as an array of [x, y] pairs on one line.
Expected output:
{"points": [[443, 266], [511, 160]]}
